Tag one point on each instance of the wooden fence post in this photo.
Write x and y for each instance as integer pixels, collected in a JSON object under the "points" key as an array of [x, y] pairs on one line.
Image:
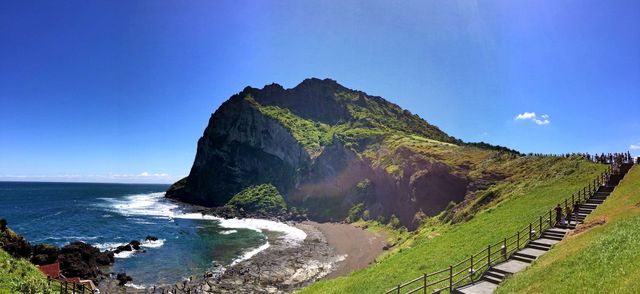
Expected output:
{"points": [[424, 281], [530, 230], [398, 289], [518, 242], [550, 216], [450, 278], [540, 225], [471, 271], [488, 256], [504, 249]]}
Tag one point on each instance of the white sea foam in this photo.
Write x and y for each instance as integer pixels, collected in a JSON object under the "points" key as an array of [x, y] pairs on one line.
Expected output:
{"points": [[124, 254], [155, 205], [227, 232], [108, 245], [132, 285], [250, 253], [152, 244], [291, 233]]}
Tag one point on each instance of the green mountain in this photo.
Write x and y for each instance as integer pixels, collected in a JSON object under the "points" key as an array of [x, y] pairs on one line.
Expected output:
{"points": [[338, 154]]}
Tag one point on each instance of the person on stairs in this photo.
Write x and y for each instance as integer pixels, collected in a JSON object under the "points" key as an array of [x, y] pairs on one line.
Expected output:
{"points": [[569, 213], [576, 208], [558, 210]]}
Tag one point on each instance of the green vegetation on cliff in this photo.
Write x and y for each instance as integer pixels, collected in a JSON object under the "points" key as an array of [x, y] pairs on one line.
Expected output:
{"points": [[536, 185], [604, 258], [20, 276], [263, 198], [318, 141]]}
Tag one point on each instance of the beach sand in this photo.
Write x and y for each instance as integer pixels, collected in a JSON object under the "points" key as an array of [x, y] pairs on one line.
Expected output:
{"points": [[330, 250], [360, 246]]}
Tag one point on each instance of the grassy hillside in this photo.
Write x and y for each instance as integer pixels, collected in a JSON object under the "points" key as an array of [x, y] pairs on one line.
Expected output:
{"points": [[534, 186], [602, 259], [20, 276]]}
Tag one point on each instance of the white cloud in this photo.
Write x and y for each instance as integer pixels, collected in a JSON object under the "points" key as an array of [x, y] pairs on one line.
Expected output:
{"points": [[526, 115], [635, 146], [144, 177], [542, 120]]}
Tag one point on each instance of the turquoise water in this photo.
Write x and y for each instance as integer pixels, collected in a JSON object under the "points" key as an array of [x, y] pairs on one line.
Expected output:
{"points": [[107, 215]]}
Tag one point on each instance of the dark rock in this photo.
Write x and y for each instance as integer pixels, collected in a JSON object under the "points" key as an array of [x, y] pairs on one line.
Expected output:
{"points": [[44, 254], [135, 244], [123, 278], [79, 259], [121, 248]]}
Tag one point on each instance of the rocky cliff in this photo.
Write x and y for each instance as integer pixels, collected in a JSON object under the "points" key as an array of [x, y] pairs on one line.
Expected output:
{"points": [[335, 153]]}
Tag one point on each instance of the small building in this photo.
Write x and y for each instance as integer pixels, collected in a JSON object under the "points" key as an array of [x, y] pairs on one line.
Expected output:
{"points": [[50, 270]]}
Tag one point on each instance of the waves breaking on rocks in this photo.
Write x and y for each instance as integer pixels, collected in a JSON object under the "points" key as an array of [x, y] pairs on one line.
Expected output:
{"points": [[155, 205]]}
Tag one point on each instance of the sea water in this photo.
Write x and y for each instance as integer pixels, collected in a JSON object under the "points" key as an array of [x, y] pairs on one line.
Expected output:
{"points": [[108, 215]]}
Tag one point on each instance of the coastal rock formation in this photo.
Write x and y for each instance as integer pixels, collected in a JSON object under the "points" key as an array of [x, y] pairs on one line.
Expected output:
{"points": [[79, 259], [334, 153]]}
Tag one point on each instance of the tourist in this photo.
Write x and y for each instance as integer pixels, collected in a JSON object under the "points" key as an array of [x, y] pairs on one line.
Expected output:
{"points": [[576, 208], [558, 210], [568, 210]]}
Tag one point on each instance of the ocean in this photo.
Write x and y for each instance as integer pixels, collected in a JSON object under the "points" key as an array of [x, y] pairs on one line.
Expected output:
{"points": [[108, 215]]}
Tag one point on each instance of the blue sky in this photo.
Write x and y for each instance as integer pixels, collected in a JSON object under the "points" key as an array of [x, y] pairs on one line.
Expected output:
{"points": [[120, 91]]}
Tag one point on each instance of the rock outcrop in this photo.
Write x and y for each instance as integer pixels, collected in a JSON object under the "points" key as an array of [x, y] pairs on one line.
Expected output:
{"points": [[326, 149], [79, 259]]}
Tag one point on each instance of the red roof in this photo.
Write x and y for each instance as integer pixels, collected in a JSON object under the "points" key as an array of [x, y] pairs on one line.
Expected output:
{"points": [[51, 270]]}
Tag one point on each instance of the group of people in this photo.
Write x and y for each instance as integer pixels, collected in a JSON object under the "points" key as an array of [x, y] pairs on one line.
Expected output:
{"points": [[613, 158], [609, 158], [570, 214]]}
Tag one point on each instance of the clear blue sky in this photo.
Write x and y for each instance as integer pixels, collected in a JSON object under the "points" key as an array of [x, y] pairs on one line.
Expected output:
{"points": [[120, 91]]}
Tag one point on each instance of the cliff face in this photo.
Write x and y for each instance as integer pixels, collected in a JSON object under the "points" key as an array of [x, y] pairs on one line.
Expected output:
{"points": [[329, 149]]}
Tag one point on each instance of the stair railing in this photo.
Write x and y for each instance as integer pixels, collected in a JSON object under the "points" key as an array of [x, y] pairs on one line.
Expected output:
{"points": [[473, 267]]}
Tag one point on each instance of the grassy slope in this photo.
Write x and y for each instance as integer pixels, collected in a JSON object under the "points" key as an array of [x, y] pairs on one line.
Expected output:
{"points": [[537, 185], [600, 260], [20, 276]]}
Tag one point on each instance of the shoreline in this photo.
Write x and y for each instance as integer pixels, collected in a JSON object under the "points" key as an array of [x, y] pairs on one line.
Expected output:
{"points": [[329, 250]]}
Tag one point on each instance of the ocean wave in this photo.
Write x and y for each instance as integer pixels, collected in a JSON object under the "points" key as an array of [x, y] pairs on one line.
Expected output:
{"points": [[132, 285], [125, 254], [250, 254], [108, 245], [291, 233], [65, 238], [155, 205], [152, 244], [150, 204]]}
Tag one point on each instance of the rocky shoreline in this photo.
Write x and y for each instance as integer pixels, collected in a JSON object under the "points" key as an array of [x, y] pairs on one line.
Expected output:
{"points": [[281, 268], [284, 266]]}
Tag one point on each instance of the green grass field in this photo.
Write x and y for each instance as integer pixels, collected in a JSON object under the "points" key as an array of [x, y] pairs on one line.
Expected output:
{"points": [[602, 259], [536, 186], [20, 276]]}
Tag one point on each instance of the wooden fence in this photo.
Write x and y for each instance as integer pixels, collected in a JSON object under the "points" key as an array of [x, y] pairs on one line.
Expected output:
{"points": [[472, 268]]}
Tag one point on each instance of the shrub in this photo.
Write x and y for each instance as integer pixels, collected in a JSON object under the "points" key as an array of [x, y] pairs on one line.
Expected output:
{"points": [[263, 198]]}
